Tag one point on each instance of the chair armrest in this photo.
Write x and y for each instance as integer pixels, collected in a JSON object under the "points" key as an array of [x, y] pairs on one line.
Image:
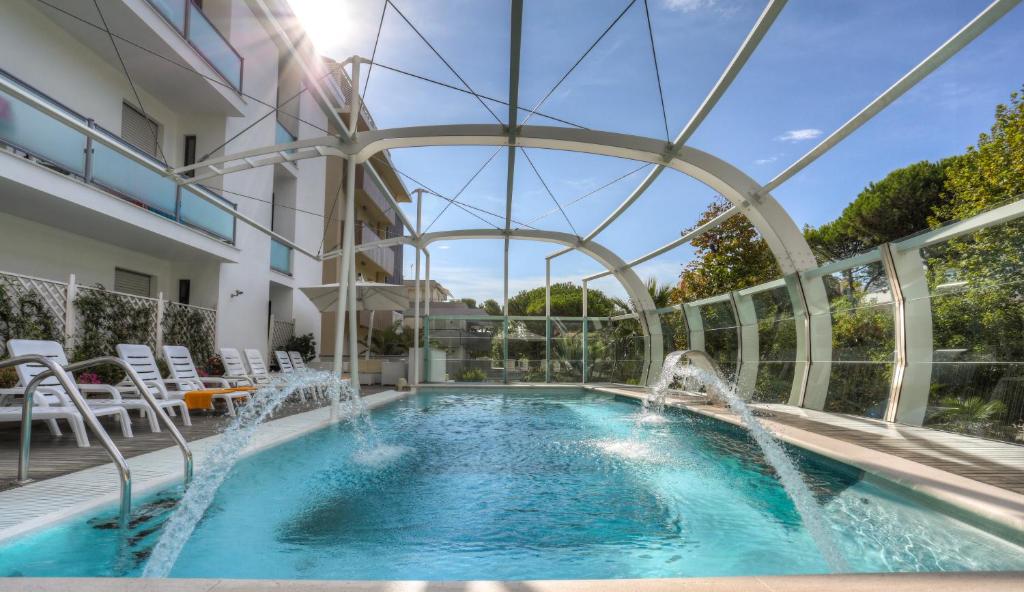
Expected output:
{"points": [[214, 381], [105, 389], [243, 378]]}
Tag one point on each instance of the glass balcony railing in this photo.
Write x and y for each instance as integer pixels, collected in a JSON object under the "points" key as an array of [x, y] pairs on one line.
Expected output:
{"points": [[189, 20], [280, 257], [139, 179]]}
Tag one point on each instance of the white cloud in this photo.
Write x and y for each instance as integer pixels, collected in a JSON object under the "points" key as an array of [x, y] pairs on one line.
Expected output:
{"points": [[688, 5], [769, 160], [800, 135]]}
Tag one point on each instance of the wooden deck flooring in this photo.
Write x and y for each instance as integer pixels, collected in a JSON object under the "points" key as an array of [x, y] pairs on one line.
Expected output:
{"points": [[52, 456], [996, 463]]}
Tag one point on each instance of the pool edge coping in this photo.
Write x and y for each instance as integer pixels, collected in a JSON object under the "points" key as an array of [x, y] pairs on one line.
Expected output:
{"points": [[56, 488]]}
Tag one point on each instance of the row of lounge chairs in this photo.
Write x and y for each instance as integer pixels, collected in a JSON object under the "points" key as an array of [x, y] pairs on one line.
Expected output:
{"points": [[51, 402]]}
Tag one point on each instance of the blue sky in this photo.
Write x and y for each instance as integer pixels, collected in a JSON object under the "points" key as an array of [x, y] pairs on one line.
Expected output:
{"points": [[821, 63]]}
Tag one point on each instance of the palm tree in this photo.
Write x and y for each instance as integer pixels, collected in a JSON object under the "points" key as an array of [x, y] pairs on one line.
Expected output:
{"points": [[972, 415]]}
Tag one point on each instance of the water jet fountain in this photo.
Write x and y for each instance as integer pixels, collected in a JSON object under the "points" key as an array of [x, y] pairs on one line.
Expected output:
{"points": [[702, 370]]}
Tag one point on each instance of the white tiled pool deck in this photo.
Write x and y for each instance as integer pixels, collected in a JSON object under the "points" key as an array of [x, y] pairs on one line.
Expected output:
{"points": [[50, 501]]}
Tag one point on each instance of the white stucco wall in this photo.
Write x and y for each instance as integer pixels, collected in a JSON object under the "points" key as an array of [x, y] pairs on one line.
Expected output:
{"points": [[42, 53]]}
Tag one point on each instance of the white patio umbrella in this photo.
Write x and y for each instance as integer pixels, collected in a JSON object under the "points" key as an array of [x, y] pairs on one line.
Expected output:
{"points": [[371, 296]]}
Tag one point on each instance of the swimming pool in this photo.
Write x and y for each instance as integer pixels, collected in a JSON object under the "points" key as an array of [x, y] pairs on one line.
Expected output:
{"points": [[519, 485]]}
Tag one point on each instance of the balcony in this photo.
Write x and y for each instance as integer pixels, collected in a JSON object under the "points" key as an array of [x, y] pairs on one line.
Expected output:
{"points": [[369, 192], [383, 258], [53, 139], [207, 80], [189, 20], [280, 257]]}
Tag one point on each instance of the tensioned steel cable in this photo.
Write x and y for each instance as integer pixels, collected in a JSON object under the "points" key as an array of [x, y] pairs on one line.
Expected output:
{"points": [[373, 54], [131, 83], [461, 204], [593, 191], [462, 90], [178, 64], [548, 189], [582, 57], [253, 124], [467, 184], [657, 71], [450, 68]]}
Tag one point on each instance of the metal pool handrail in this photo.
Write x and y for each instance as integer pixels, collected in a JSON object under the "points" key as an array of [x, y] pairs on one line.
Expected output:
{"points": [[147, 396], [54, 369]]}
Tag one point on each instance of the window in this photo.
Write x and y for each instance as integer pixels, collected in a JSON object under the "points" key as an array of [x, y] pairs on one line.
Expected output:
{"points": [[190, 154], [131, 282], [139, 130]]}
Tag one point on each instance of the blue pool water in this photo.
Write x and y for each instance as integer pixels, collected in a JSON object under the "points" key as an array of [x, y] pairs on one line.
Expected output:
{"points": [[520, 486]]}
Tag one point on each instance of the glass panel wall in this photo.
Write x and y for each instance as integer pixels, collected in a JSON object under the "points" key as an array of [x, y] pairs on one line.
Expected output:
{"points": [[468, 349], [863, 340], [776, 338], [615, 351], [721, 337], [673, 329], [527, 349], [976, 298], [200, 213], [212, 45], [566, 349]]}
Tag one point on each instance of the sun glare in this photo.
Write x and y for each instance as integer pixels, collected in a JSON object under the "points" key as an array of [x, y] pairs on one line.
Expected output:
{"points": [[327, 22]]}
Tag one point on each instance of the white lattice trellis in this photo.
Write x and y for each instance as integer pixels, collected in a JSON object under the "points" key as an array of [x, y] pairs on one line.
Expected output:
{"points": [[282, 333], [53, 295], [137, 305], [209, 315]]}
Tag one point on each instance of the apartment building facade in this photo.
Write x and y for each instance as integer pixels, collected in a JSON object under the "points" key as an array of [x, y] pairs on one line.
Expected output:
{"points": [[199, 75]]}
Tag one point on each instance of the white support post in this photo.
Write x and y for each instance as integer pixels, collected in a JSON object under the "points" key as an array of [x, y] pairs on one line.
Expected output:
{"points": [[694, 327], [160, 321], [547, 320], [417, 352], [586, 330], [347, 259], [749, 346], [911, 376], [819, 337], [504, 306], [353, 320], [430, 290], [69, 312]]}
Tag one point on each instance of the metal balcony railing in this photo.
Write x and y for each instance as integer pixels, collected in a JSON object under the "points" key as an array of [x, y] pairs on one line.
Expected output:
{"points": [[39, 127], [188, 19], [376, 195], [383, 257]]}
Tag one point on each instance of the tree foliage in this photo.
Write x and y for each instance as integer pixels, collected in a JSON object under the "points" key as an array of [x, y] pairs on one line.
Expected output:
{"points": [[566, 301], [729, 257]]}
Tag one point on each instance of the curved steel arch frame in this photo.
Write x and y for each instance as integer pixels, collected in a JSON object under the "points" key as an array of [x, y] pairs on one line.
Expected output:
{"points": [[778, 229], [635, 288]]}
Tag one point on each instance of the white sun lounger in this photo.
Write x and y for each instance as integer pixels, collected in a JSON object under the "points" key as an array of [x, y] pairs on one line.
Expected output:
{"points": [[234, 367], [140, 358], [184, 373], [55, 351], [50, 401]]}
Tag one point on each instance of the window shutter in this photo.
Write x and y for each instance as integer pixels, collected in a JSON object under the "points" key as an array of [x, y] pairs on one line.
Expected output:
{"points": [[138, 130], [130, 282]]}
